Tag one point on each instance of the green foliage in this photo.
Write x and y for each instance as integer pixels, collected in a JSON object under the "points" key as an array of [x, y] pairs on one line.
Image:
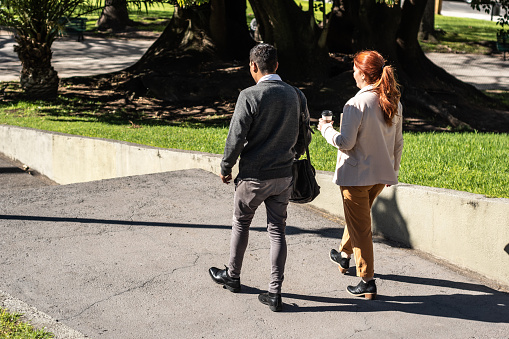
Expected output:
{"points": [[488, 5], [13, 328], [389, 3], [36, 19], [186, 3], [317, 10]]}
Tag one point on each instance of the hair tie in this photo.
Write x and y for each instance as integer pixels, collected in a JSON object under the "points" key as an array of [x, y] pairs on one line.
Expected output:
{"points": [[383, 66]]}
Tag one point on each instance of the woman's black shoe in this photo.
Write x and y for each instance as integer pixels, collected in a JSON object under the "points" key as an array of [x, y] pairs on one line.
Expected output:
{"points": [[222, 277], [344, 263], [368, 290], [273, 300]]}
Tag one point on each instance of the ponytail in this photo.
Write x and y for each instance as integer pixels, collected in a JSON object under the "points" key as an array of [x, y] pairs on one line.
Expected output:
{"points": [[383, 79]]}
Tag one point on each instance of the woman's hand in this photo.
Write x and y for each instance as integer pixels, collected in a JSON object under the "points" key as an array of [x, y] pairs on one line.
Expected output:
{"points": [[322, 122]]}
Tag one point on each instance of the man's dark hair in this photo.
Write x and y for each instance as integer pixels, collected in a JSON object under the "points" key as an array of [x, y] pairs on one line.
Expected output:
{"points": [[265, 57]]}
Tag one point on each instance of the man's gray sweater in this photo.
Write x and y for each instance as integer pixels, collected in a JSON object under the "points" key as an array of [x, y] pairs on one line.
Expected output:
{"points": [[264, 131]]}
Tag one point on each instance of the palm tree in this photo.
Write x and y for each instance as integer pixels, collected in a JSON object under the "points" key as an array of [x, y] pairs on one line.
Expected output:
{"points": [[36, 23]]}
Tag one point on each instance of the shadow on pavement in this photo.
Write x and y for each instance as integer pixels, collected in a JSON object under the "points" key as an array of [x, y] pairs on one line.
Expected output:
{"points": [[457, 305], [290, 230], [11, 170]]}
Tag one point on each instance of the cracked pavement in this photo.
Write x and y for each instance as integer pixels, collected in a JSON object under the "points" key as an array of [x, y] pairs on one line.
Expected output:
{"points": [[129, 258]]}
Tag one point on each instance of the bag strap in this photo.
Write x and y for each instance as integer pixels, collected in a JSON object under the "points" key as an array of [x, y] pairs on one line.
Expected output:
{"points": [[301, 122]]}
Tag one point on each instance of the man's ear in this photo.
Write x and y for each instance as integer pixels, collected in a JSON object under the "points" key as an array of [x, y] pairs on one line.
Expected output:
{"points": [[277, 65], [254, 67]]}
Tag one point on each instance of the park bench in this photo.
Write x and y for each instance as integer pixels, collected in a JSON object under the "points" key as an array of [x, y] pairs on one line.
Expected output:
{"points": [[74, 26], [503, 41]]}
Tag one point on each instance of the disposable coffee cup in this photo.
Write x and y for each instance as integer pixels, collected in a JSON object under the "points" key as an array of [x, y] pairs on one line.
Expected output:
{"points": [[327, 116]]}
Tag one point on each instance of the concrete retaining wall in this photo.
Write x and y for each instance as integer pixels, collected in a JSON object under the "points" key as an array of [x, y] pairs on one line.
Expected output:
{"points": [[467, 230], [68, 159]]}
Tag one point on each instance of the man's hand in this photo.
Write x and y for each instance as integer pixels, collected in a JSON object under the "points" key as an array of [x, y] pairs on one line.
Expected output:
{"points": [[226, 179]]}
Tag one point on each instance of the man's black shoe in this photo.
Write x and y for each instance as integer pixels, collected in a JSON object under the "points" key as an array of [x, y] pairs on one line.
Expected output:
{"points": [[222, 277], [368, 290], [344, 263], [273, 300]]}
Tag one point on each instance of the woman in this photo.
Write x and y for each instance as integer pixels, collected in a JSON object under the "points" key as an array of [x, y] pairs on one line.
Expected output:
{"points": [[370, 143]]}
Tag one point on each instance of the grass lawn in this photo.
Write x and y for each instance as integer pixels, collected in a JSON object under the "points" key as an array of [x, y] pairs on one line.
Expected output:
{"points": [[472, 162], [12, 327], [462, 35], [153, 18]]}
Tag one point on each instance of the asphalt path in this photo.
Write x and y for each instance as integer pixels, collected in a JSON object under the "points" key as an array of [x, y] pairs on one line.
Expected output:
{"points": [[128, 258]]}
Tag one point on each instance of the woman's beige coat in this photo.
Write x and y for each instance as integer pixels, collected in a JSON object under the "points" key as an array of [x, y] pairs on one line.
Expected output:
{"points": [[369, 150]]}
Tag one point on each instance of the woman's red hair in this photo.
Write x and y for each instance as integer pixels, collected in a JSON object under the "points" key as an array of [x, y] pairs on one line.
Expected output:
{"points": [[383, 79]]}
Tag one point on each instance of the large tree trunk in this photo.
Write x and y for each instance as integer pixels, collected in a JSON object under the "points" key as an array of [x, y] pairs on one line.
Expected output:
{"points": [[229, 29], [114, 16], [300, 43], [38, 78], [427, 28], [175, 67], [357, 25], [216, 29], [341, 27], [377, 28]]}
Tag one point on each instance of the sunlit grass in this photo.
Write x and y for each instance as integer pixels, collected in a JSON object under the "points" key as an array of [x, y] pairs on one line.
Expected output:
{"points": [[462, 35], [471, 162], [153, 18], [12, 327]]}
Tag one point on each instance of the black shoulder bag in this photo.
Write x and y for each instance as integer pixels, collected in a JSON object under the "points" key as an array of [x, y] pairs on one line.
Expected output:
{"points": [[305, 187]]}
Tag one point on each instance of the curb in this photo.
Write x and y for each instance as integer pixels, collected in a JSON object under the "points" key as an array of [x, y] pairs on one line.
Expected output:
{"points": [[38, 319]]}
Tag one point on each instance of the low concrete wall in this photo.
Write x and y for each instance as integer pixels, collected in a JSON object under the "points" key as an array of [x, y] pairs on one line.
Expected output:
{"points": [[467, 230], [68, 159]]}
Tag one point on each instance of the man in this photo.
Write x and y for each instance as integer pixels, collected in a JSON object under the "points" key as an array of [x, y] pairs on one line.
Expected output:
{"points": [[264, 132]]}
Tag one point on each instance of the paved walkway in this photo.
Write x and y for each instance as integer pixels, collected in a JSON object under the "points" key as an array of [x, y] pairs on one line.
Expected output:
{"points": [[485, 72], [72, 58], [128, 258]]}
